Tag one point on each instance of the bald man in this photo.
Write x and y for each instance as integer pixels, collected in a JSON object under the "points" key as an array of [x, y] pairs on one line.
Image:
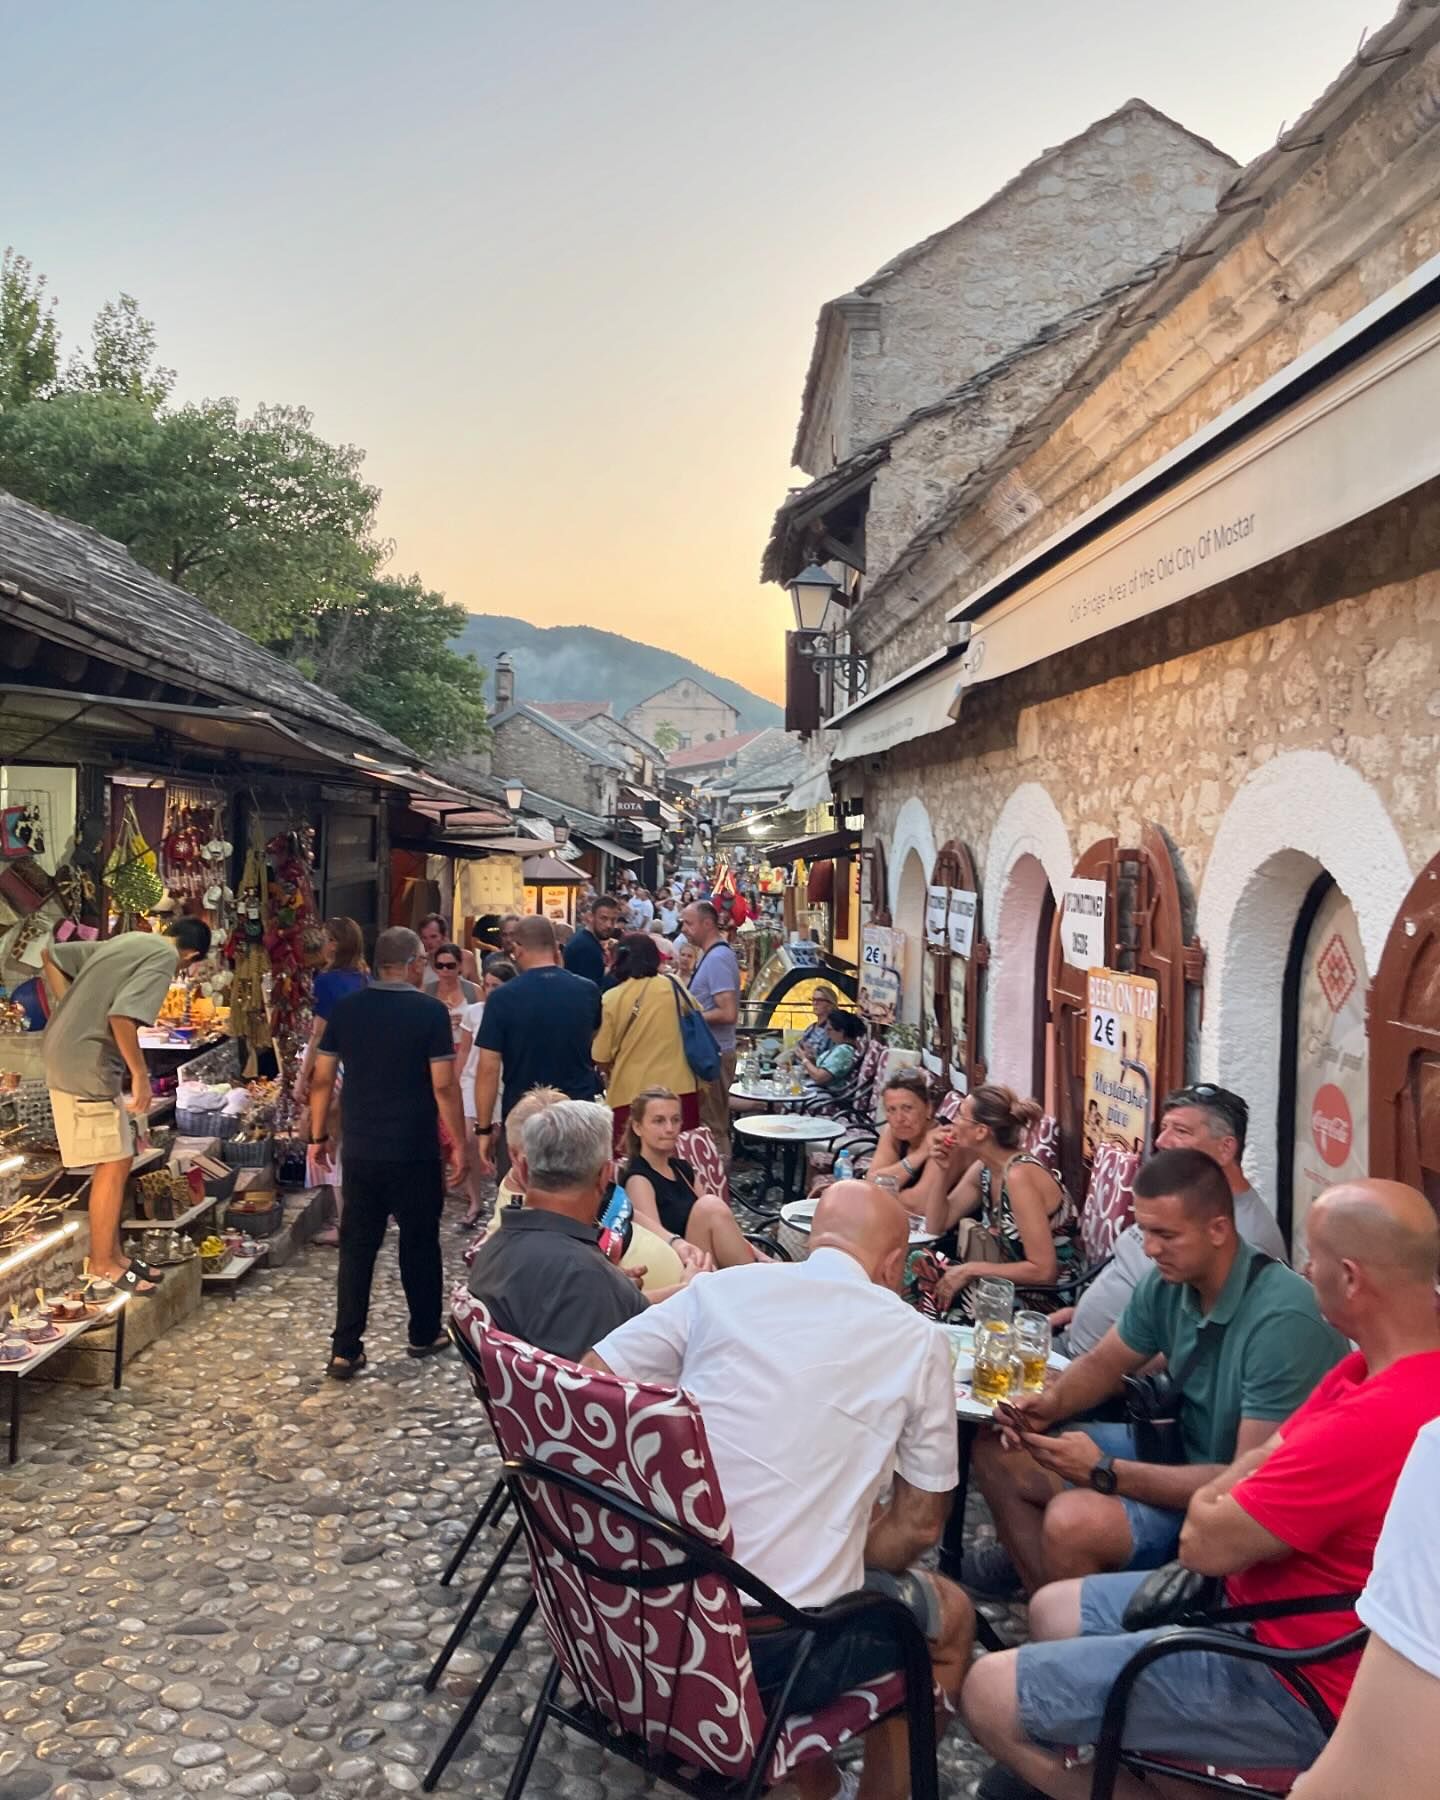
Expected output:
{"points": [[820, 1388], [1300, 1514]]}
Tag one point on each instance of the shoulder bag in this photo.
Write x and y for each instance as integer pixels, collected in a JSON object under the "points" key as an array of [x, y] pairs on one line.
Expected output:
{"points": [[696, 1038], [1153, 1402]]}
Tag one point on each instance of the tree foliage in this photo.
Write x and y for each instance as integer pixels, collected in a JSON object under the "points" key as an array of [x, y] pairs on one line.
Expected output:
{"points": [[262, 518], [666, 736]]}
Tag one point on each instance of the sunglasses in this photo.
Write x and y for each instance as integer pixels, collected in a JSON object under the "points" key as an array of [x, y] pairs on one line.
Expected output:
{"points": [[447, 965]]}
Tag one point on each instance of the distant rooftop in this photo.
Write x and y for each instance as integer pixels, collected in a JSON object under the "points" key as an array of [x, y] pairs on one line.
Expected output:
{"points": [[718, 750], [571, 712]]}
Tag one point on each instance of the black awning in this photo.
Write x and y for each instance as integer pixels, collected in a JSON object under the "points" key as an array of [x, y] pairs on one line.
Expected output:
{"points": [[814, 849]]}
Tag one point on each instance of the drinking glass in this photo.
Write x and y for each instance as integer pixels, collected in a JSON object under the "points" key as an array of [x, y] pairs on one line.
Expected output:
{"points": [[994, 1356], [888, 1184], [1032, 1344], [994, 1303]]}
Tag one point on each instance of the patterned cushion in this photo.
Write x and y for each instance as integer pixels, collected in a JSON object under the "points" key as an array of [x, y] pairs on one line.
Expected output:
{"points": [[949, 1107], [862, 1099], [698, 1147], [1043, 1142], [1110, 1202], [671, 1665]]}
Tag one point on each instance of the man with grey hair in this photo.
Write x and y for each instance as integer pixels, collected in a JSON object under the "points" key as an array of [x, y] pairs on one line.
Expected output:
{"points": [[400, 1082], [542, 1275]]}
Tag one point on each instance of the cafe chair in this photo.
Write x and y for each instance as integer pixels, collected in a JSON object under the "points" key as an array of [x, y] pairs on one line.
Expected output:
{"points": [[629, 1547], [1110, 1752]]}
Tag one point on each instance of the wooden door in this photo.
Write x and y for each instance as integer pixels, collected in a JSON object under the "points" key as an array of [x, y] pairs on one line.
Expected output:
{"points": [[1405, 1044], [1151, 941], [955, 868], [879, 885], [1069, 1006]]}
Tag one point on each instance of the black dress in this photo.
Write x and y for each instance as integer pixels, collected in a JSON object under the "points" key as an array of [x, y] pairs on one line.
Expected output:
{"points": [[674, 1195]]}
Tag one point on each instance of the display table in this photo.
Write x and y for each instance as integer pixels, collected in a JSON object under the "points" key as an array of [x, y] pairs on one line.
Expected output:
{"points": [[792, 1134]]}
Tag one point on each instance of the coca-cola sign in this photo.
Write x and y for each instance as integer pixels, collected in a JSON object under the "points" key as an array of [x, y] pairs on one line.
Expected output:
{"points": [[1331, 1126]]}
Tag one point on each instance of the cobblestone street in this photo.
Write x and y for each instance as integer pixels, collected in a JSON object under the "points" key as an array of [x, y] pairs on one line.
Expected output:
{"points": [[225, 1578]]}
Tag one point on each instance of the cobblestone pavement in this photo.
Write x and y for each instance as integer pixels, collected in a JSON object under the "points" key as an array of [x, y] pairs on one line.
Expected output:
{"points": [[225, 1578]]}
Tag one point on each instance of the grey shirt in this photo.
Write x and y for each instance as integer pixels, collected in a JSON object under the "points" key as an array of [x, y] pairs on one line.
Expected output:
{"points": [[716, 973], [545, 1280], [124, 977], [1109, 1293]]}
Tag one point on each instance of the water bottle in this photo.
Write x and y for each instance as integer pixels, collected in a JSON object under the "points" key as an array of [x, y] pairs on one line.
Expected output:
{"points": [[844, 1169]]}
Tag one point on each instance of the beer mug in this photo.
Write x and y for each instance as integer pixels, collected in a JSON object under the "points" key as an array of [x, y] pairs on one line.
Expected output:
{"points": [[994, 1373], [994, 1303], [1032, 1346]]}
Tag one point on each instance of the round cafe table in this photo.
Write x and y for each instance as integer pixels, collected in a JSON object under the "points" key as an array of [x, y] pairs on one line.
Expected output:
{"points": [[791, 1133]]}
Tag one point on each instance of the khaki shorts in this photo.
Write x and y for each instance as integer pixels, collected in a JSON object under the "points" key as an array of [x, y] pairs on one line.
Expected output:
{"points": [[92, 1131]]}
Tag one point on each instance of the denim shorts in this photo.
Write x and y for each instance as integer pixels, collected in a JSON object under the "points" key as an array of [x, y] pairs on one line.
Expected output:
{"points": [[1154, 1530], [1196, 1705], [851, 1658]]}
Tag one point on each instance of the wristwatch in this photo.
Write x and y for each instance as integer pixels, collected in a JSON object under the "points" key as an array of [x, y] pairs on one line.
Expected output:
{"points": [[1103, 1478], [482, 1130]]}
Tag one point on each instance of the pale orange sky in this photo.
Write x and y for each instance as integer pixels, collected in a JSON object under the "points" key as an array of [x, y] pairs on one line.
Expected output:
{"points": [[557, 268]]}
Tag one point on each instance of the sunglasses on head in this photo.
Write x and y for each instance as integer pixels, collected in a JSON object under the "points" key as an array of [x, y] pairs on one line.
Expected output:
{"points": [[1205, 1093]]}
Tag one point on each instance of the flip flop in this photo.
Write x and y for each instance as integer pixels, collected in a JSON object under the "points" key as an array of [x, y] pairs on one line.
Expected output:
{"points": [[345, 1368], [441, 1343]]}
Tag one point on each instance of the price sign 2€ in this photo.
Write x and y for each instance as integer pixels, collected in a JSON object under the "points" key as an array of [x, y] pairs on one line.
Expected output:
{"points": [[1104, 1029]]}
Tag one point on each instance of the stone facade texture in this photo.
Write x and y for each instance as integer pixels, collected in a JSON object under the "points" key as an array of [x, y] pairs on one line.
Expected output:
{"points": [[1080, 219], [697, 714], [526, 751]]}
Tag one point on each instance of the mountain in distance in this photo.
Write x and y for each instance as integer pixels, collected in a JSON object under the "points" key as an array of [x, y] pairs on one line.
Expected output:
{"points": [[579, 662]]}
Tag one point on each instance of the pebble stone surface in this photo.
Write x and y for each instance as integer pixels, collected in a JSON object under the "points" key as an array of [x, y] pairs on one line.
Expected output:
{"points": [[224, 1579]]}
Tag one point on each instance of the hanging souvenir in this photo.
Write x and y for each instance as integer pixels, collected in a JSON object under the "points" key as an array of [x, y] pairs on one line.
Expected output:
{"points": [[131, 874]]}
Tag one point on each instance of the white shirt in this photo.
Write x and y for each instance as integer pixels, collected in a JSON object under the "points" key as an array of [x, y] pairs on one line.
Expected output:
{"points": [[470, 1017], [814, 1384], [641, 913], [1401, 1601]]}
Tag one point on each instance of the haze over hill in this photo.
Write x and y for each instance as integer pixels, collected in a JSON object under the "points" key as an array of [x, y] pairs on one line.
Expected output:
{"points": [[579, 662]]}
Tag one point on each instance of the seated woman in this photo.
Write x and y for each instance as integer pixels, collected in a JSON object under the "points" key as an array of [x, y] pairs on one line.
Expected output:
{"points": [[903, 1152], [661, 1185], [830, 1077], [996, 1209], [815, 1038]]}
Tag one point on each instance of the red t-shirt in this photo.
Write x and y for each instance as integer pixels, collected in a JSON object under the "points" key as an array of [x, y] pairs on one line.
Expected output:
{"points": [[1325, 1492]]}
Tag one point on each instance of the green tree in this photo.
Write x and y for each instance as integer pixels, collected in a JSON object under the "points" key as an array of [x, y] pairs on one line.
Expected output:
{"points": [[122, 357], [260, 517], [29, 339], [389, 656], [666, 736]]}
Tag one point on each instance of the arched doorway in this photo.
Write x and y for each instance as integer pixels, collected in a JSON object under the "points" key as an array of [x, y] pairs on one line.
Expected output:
{"points": [[910, 918], [1019, 961]]}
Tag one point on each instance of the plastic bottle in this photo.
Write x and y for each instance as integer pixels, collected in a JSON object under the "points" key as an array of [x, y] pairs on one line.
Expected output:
{"points": [[844, 1169]]}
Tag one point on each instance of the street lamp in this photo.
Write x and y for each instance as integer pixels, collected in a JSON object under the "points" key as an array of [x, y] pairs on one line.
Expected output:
{"points": [[812, 593], [514, 794], [561, 830]]}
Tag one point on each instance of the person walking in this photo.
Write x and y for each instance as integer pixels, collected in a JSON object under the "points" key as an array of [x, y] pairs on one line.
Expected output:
{"points": [[344, 972], [585, 953], [639, 1044], [538, 1028], [400, 1084], [715, 987], [102, 994], [498, 970]]}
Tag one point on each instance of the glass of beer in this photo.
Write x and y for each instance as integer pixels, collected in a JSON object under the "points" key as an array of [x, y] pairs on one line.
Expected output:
{"points": [[1032, 1346], [994, 1303], [994, 1356]]}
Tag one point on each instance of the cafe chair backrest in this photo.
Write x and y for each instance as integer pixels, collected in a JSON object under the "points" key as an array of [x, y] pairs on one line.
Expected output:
{"points": [[862, 1098], [668, 1662], [1110, 1203], [699, 1149], [1043, 1142]]}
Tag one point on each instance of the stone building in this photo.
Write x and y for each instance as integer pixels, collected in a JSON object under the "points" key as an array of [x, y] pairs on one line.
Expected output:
{"points": [[1157, 610], [696, 714], [532, 747]]}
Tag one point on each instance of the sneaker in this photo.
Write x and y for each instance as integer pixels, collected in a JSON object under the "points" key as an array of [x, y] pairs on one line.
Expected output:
{"points": [[988, 1571]]}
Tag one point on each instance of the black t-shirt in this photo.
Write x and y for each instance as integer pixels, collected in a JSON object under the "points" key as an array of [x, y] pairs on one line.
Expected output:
{"points": [[541, 1025], [387, 1036], [545, 1279], [585, 955], [674, 1194]]}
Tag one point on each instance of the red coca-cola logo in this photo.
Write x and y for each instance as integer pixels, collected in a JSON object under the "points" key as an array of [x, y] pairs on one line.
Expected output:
{"points": [[1331, 1126]]}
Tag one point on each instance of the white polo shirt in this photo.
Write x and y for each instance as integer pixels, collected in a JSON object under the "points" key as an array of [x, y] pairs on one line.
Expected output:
{"points": [[814, 1384]]}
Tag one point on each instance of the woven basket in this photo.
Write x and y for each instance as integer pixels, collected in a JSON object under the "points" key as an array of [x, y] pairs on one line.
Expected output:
{"points": [[206, 1124], [249, 1155]]}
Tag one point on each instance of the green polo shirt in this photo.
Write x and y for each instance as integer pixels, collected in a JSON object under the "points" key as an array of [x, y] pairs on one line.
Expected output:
{"points": [[1265, 1347]]}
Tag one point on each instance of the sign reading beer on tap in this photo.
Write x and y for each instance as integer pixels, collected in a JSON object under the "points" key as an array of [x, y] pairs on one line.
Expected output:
{"points": [[1120, 1044]]}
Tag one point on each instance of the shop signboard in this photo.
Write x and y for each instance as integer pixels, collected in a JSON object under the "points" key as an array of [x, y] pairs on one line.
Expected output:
{"points": [[959, 1058], [937, 912], [1332, 1125], [1122, 1019], [932, 1043], [882, 969], [961, 921], [555, 904], [1082, 923]]}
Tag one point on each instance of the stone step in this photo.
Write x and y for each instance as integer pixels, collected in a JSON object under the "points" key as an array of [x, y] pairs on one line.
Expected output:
{"points": [[304, 1215], [90, 1361]]}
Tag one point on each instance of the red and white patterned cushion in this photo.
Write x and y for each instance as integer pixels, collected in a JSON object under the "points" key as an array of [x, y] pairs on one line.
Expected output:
{"points": [[949, 1107], [1043, 1142], [699, 1149], [1110, 1203]]}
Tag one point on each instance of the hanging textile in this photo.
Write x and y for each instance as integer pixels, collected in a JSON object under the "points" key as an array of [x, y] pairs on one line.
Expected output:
{"points": [[249, 1018]]}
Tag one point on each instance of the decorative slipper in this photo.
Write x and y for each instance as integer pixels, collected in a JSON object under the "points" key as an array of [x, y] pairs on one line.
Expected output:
{"points": [[345, 1368], [441, 1343]]}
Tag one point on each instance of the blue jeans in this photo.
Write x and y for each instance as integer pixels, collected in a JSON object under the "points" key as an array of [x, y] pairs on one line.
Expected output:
{"points": [[1196, 1705], [1154, 1530]]}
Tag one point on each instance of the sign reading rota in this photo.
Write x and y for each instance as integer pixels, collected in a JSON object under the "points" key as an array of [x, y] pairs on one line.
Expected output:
{"points": [[1082, 923], [1120, 1045]]}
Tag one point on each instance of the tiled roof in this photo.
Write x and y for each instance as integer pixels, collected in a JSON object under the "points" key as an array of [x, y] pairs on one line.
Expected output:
{"points": [[719, 750], [592, 752], [570, 712]]}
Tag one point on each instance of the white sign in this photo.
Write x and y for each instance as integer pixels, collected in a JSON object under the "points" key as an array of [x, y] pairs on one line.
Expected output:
{"points": [[1082, 923], [1352, 444], [882, 965], [962, 921], [937, 908]]}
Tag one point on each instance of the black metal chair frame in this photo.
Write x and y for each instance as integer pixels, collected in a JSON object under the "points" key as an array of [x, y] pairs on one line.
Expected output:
{"points": [[1206, 1635], [698, 1558]]}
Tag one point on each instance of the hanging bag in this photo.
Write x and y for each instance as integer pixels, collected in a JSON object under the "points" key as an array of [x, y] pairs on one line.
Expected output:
{"points": [[696, 1038]]}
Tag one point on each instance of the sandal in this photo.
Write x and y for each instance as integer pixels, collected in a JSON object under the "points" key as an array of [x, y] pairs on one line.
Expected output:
{"points": [[471, 1222], [441, 1343], [345, 1368], [138, 1279]]}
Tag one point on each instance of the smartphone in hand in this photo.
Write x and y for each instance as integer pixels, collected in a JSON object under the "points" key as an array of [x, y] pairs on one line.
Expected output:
{"points": [[1010, 1418]]}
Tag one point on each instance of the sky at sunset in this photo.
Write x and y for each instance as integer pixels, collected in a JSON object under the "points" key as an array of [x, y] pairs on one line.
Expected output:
{"points": [[555, 264]]}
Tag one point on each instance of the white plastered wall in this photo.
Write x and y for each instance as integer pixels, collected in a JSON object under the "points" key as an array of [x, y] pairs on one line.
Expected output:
{"points": [[1029, 836], [1295, 816], [912, 857]]}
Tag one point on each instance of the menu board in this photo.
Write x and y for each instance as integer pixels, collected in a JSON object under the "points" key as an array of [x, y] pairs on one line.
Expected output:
{"points": [[1120, 1047], [882, 970]]}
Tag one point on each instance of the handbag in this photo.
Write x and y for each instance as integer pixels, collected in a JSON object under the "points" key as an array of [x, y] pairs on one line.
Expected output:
{"points": [[1153, 1403], [1171, 1595], [696, 1038]]}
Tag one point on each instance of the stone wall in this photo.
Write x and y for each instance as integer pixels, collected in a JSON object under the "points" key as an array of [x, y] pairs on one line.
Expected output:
{"points": [[1067, 228], [528, 752], [695, 713]]}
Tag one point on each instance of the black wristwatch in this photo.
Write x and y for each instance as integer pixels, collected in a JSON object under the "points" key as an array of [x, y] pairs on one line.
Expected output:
{"points": [[482, 1130], [321, 1140], [1103, 1478]]}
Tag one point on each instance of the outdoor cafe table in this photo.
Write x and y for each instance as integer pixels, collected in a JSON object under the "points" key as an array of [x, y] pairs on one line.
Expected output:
{"points": [[792, 1133], [764, 1093], [970, 1415]]}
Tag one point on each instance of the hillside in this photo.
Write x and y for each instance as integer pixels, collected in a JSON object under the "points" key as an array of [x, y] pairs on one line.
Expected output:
{"points": [[577, 662]]}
